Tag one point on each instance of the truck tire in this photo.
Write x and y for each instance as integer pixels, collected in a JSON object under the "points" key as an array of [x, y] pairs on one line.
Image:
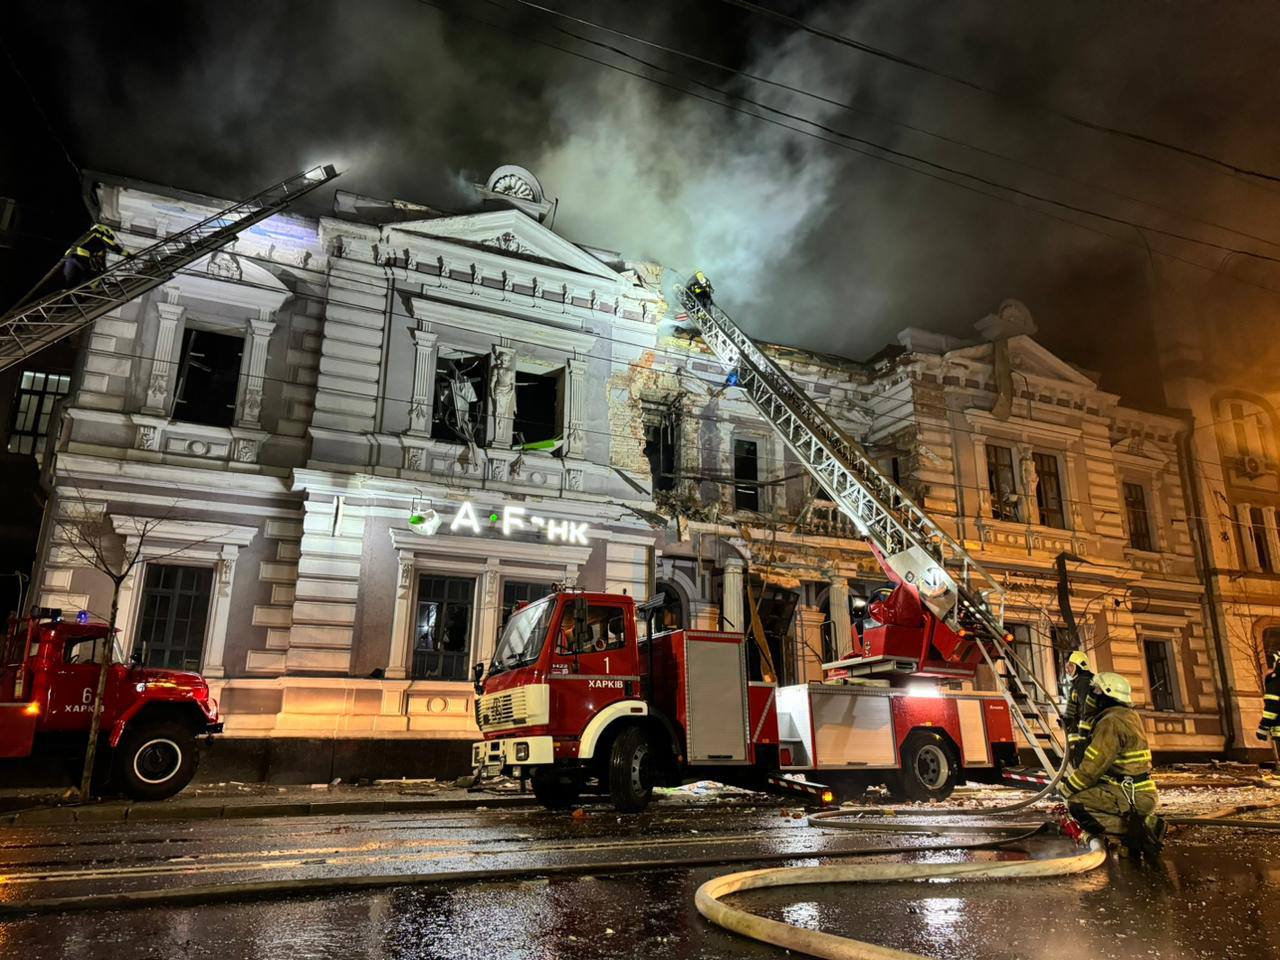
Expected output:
{"points": [[156, 760], [554, 790], [631, 771], [929, 769]]}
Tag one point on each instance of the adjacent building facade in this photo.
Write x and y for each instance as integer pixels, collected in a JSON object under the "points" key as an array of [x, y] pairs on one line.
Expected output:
{"points": [[344, 448]]}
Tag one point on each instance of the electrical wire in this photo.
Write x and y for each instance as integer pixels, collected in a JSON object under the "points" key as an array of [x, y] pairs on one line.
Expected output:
{"points": [[1072, 118]]}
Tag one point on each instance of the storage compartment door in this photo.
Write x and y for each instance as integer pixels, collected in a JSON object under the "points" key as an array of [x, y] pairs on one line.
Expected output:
{"points": [[716, 701], [973, 733], [852, 728]]}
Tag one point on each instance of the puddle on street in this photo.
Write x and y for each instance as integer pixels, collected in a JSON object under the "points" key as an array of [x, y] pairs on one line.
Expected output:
{"points": [[1213, 897]]}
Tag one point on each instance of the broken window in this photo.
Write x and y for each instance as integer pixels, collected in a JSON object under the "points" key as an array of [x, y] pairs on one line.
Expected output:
{"points": [[1000, 480], [1160, 674], [208, 377], [1049, 491], [1135, 509], [462, 398], [1258, 531], [32, 407], [746, 475], [661, 436], [539, 408]]}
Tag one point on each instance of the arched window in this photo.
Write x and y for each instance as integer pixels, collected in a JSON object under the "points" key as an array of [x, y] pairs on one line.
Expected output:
{"points": [[1247, 434], [674, 612]]}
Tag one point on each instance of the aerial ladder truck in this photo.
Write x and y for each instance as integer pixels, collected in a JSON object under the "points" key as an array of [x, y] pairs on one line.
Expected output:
{"points": [[577, 700]]}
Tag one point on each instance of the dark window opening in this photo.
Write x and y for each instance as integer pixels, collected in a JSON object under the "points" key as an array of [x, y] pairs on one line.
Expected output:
{"points": [[32, 407], [1063, 645], [174, 614], [1159, 674], [1135, 508], [1270, 644], [670, 616], [208, 378], [462, 399], [1000, 480], [443, 639], [515, 592], [661, 433], [539, 406], [746, 475], [1258, 530], [1049, 491]]}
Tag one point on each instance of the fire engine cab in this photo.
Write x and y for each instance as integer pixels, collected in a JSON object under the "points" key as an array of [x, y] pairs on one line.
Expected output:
{"points": [[582, 697], [150, 717]]}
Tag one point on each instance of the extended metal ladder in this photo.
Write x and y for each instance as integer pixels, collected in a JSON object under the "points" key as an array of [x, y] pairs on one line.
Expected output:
{"points": [[32, 327], [950, 581]]}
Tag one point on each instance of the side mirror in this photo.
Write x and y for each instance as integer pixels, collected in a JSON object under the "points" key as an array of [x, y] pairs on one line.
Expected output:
{"points": [[477, 677], [135, 659]]}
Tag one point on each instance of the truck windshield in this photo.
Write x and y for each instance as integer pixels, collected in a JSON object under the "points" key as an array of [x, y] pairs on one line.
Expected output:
{"points": [[523, 638]]}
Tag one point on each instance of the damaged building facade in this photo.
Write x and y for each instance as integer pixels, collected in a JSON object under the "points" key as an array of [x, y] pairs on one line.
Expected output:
{"points": [[355, 442]]}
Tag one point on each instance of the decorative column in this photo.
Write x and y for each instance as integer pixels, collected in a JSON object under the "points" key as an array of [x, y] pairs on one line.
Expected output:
{"points": [[165, 362], [426, 351], [401, 619], [487, 623], [808, 644], [838, 605], [223, 577], [260, 331], [731, 601], [502, 395], [575, 374]]}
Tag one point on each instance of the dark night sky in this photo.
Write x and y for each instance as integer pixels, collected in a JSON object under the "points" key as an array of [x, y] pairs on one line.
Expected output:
{"points": [[810, 244]]}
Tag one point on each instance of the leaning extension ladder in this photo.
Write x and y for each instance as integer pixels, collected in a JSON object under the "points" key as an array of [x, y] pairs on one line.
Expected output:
{"points": [[951, 582], [32, 327]]}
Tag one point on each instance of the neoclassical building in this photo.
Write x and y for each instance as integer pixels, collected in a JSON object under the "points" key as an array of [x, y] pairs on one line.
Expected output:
{"points": [[355, 442]]}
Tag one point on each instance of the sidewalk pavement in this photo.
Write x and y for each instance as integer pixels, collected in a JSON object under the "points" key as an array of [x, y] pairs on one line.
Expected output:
{"points": [[34, 807]]}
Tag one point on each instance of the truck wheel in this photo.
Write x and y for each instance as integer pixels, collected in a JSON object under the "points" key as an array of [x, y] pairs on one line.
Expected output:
{"points": [[929, 769], [631, 771], [555, 791], [156, 761]]}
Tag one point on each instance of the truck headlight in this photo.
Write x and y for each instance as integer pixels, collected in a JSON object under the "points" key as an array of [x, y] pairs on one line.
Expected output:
{"points": [[522, 752]]}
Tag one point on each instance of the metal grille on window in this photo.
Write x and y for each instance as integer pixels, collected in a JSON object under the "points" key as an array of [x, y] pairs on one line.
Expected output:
{"points": [[442, 641], [174, 615], [32, 407], [1135, 508], [1159, 674], [1000, 480], [1049, 491]]}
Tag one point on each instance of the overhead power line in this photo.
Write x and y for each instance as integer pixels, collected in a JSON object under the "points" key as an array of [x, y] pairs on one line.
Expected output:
{"points": [[883, 118], [1061, 114], [847, 141]]}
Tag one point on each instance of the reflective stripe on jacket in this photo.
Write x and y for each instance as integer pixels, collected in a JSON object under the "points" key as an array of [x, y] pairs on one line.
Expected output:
{"points": [[1118, 750]]}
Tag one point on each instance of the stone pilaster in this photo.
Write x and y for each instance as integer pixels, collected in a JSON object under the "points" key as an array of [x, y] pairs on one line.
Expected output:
{"points": [[841, 625], [502, 396], [731, 600], [575, 437], [260, 331], [809, 622], [165, 365], [426, 353]]}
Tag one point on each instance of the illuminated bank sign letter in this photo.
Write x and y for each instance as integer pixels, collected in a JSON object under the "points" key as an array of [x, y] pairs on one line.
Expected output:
{"points": [[516, 519]]}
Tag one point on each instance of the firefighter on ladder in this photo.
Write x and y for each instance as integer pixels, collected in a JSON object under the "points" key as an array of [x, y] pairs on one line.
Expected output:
{"points": [[87, 257], [1081, 706], [1269, 725], [1112, 792]]}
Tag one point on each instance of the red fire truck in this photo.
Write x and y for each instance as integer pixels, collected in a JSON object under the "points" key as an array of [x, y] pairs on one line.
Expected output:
{"points": [[150, 717], [580, 699]]}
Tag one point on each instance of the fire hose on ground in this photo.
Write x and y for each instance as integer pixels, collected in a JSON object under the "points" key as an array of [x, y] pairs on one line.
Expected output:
{"points": [[709, 898]]}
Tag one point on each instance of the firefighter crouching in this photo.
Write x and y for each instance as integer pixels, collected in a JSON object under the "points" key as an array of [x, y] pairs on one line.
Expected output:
{"points": [[1269, 726], [1112, 792], [1081, 706]]}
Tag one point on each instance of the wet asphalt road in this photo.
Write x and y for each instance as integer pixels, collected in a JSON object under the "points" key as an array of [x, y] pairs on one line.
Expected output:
{"points": [[1216, 894]]}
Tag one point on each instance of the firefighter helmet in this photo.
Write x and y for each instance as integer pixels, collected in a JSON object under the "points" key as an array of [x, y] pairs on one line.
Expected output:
{"points": [[1114, 686], [1079, 658]]}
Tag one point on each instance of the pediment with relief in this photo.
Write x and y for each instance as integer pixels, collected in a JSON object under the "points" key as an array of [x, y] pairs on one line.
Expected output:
{"points": [[511, 232], [1027, 357]]}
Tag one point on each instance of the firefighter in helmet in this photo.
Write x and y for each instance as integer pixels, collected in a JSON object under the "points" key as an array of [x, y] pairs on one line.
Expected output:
{"points": [[1269, 725], [701, 287], [1112, 792], [1081, 705], [87, 257]]}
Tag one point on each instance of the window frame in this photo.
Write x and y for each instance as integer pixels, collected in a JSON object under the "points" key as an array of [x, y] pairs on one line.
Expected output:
{"points": [[1132, 528], [188, 333], [44, 402], [1044, 481], [663, 420], [1169, 660], [137, 645], [745, 488], [462, 657], [1006, 503]]}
